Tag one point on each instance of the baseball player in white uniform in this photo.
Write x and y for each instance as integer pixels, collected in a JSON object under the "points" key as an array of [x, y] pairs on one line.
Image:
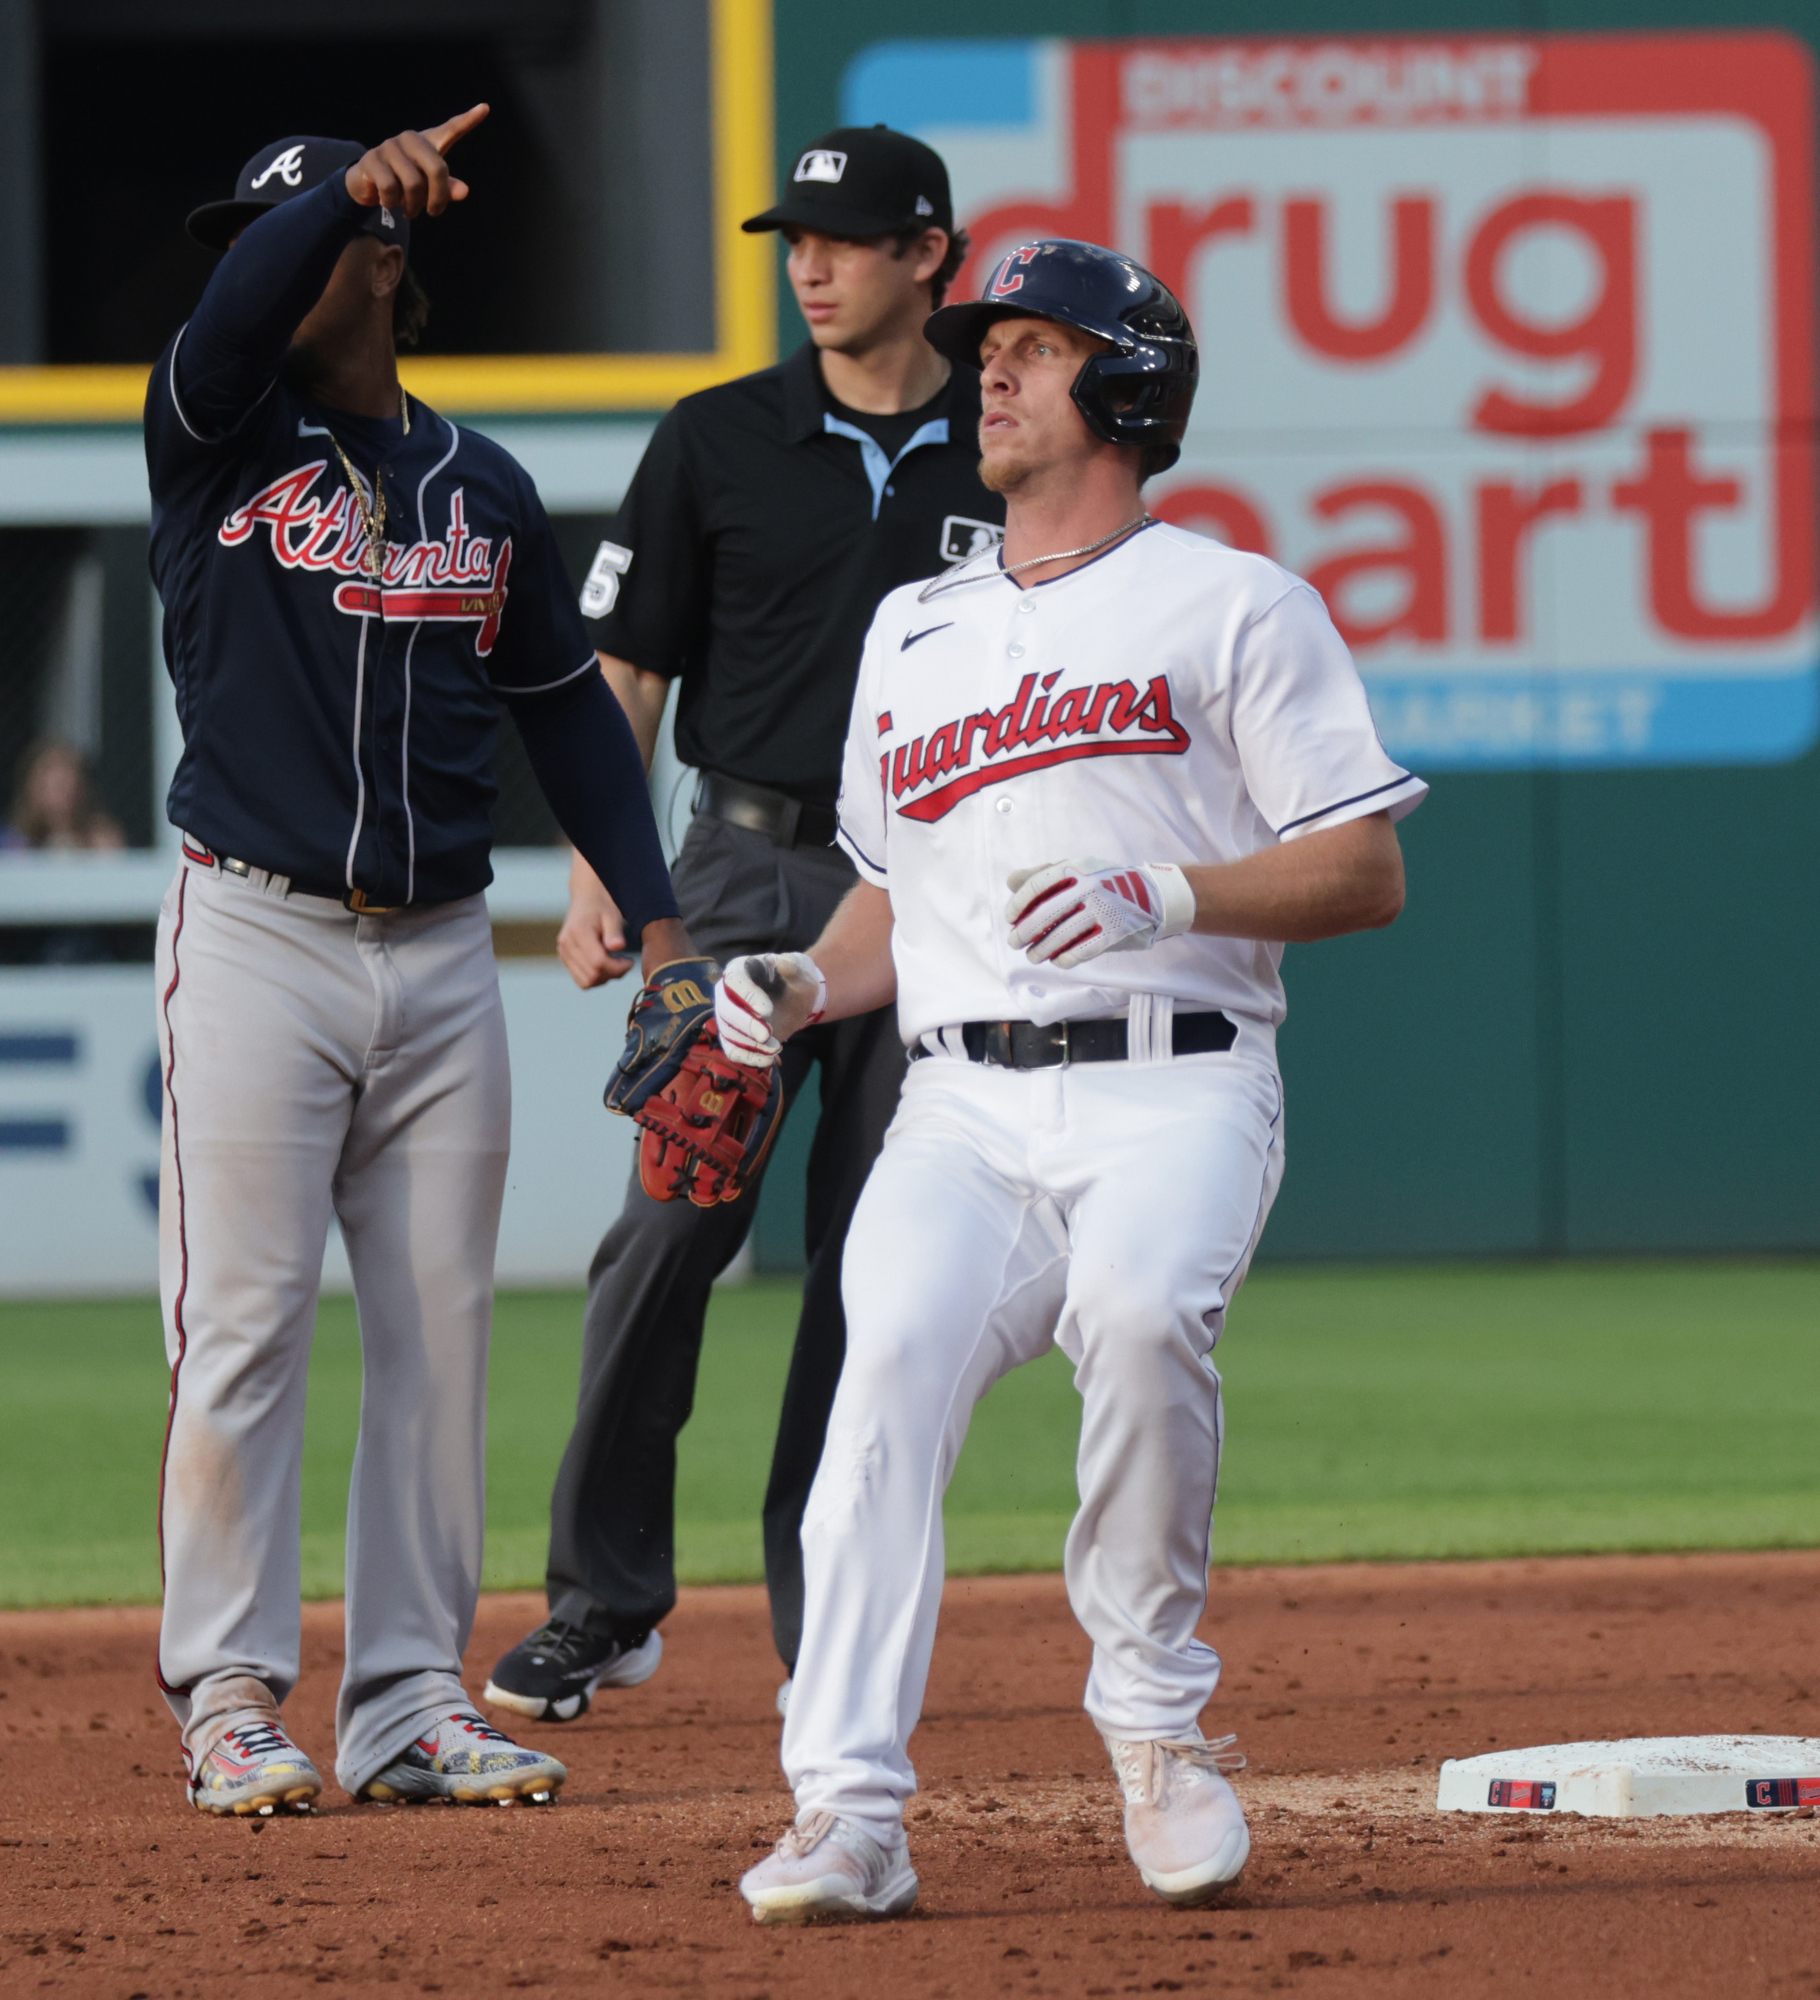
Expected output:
{"points": [[1094, 781]]}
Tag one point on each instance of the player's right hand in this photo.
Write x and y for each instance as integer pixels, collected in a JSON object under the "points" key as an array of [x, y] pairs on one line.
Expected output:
{"points": [[410, 173], [760, 1002]]}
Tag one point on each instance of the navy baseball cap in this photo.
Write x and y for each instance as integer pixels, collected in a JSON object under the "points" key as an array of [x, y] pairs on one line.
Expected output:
{"points": [[275, 173], [863, 180]]}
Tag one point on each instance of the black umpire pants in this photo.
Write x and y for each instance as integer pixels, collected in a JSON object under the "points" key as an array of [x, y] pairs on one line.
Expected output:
{"points": [[612, 1564]]}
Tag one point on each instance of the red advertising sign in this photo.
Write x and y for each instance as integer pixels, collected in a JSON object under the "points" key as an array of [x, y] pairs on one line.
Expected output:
{"points": [[1507, 346]]}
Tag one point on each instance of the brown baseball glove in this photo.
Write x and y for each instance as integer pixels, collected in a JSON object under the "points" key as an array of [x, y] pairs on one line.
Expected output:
{"points": [[707, 1122]]}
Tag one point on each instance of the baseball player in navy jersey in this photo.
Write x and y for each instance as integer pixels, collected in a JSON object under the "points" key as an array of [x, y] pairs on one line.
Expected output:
{"points": [[352, 587], [1093, 782]]}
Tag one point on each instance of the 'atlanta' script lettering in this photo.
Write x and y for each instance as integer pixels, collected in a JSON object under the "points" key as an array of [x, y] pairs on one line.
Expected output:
{"points": [[453, 581], [929, 777]]}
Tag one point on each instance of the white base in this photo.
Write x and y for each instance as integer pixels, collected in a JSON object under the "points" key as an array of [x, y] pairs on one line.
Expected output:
{"points": [[1638, 1777]]}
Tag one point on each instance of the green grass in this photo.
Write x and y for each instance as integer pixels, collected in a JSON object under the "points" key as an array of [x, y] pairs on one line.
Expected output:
{"points": [[1377, 1412]]}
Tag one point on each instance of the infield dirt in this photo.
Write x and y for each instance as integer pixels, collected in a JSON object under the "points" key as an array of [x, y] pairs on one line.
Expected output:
{"points": [[1346, 1685]]}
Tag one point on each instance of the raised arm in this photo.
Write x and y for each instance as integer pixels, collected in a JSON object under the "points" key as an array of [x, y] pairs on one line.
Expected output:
{"points": [[229, 354]]}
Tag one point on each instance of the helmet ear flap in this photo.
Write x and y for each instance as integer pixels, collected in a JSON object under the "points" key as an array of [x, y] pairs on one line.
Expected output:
{"points": [[1137, 398], [1094, 404]]}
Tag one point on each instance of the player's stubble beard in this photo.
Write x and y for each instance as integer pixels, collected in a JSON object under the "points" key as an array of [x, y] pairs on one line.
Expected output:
{"points": [[1003, 475]]}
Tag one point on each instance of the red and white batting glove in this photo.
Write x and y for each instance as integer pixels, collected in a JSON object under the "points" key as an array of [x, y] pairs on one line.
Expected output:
{"points": [[1072, 911], [758, 995]]}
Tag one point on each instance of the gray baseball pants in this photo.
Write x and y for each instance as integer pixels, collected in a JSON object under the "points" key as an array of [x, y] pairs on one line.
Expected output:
{"points": [[319, 1063]]}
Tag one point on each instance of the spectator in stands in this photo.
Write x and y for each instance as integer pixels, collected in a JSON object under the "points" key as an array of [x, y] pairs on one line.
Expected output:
{"points": [[54, 803]]}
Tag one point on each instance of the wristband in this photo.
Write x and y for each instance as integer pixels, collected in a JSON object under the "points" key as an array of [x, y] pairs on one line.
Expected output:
{"points": [[1178, 899], [821, 987]]}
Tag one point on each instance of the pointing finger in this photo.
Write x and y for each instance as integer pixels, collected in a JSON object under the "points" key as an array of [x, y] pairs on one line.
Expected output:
{"points": [[443, 136]]}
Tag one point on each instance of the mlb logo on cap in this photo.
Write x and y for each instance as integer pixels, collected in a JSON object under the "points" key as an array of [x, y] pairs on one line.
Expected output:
{"points": [[820, 166], [863, 180]]}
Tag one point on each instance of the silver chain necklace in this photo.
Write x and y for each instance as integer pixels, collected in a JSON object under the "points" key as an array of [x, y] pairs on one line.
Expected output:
{"points": [[948, 580]]}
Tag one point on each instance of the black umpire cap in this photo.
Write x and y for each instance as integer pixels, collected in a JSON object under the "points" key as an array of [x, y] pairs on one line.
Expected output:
{"points": [[863, 180], [275, 173]]}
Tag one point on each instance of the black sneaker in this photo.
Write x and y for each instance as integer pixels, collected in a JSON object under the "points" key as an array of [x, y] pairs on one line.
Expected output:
{"points": [[551, 1675]]}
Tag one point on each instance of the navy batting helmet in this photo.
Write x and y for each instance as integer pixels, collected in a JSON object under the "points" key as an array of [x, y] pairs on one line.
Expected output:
{"points": [[1140, 393]]}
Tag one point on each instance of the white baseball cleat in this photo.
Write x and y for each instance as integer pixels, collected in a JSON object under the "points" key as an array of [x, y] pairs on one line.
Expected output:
{"points": [[826, 1866], [1184, 1825]]}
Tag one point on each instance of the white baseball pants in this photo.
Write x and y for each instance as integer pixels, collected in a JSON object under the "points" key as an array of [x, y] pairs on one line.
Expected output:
{"points": [[1110, 1209], [320, 1063]]}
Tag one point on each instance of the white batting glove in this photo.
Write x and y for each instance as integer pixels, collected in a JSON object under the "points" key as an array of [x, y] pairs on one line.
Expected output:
{"points": [[758, 997], [1071, 911]]}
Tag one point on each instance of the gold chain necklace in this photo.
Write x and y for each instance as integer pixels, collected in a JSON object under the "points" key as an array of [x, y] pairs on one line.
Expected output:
{"points": [[372, 514]]}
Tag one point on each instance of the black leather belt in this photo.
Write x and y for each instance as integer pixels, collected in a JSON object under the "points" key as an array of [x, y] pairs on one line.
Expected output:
{"points": [[784, 821], [1025, 1045]]}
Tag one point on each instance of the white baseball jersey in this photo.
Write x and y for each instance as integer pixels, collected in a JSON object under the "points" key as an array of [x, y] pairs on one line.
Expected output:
{"points": [[1172, 700]]}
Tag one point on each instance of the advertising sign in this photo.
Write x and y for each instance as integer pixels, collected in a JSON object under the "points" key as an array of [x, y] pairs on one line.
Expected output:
{"points": [[1507, 346], [80, 1095]]}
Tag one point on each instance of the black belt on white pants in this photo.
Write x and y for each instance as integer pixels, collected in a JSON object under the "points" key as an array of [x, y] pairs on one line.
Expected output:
{"points": [[1055, 1044]]}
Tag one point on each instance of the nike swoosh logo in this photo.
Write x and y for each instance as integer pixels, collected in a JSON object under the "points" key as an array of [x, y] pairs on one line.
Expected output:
{"points": [[910, 638]]}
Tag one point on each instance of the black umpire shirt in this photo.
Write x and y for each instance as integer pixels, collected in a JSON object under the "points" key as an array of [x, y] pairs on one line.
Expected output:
{"points": [[754, 544]]}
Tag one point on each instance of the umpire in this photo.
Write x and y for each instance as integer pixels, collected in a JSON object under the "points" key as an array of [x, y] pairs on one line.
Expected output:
{"points": [[767, 519]]}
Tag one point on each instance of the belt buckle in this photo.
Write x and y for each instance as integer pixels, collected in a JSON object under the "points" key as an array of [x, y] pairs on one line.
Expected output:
{"points": [[356, 900], [1052, 1039]]}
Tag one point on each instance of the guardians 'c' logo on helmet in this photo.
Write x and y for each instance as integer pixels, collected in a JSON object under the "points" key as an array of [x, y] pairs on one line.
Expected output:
{"points": [[1008, 278]]}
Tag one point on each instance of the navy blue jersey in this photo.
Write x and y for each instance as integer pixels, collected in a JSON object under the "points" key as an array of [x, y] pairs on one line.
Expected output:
{"points": [[339, 728]]}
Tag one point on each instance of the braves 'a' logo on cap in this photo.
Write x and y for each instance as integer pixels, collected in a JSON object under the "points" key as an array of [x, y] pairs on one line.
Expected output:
{"points": [[288, 167], [820, 165], [1008, 278]]}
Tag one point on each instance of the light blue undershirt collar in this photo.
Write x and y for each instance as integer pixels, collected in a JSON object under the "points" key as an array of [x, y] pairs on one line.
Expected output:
{"points": [[879, 468]]}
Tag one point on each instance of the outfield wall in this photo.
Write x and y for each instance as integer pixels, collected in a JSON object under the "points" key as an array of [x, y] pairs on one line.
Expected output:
{"points": [[1585, 612], [79, 1180]]}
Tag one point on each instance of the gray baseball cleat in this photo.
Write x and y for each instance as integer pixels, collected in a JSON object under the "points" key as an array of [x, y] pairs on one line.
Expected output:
{"points": [[1184, 1825], [255, 1770], [466, 1759], [826, 1866]]}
